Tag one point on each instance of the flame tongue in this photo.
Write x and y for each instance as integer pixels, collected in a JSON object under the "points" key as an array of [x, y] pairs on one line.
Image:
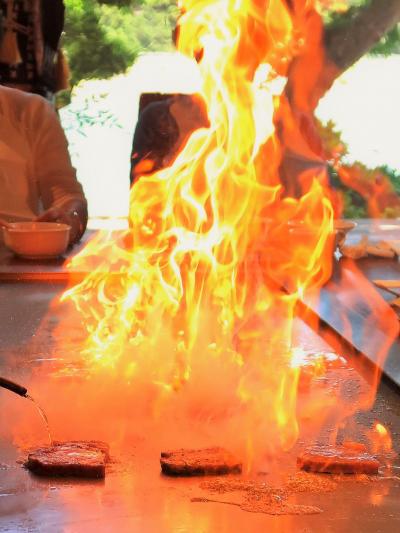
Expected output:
{"points": [[207, 291]]}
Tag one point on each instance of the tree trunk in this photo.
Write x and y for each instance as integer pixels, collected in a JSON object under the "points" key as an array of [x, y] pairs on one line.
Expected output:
{"points": [[310, 77], [345, 43]]}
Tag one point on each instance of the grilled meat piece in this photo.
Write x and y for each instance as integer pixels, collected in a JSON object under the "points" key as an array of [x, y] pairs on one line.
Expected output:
{"points": [[85, 459], [212, 461], [337, 460], [88, 444]]}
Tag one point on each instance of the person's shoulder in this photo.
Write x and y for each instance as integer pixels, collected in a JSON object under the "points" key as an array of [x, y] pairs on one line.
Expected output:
{"points": [[28, 112], [21, 103], [18, 97]]}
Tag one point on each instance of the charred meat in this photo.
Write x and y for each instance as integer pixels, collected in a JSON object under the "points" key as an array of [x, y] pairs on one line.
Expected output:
{"points": [[337, 460], [85, 459], [207, 461]]}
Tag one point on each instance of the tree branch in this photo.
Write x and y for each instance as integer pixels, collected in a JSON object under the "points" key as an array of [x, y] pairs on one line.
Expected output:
{"points": [[348, 41]]}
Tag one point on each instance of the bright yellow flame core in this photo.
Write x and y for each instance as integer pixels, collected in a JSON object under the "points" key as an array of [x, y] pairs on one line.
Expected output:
{"points": [[381, 430], [211, 281], [381, 439]]}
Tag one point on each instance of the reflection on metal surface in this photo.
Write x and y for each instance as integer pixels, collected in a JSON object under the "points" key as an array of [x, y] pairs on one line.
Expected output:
{"points": [[387, 227]]}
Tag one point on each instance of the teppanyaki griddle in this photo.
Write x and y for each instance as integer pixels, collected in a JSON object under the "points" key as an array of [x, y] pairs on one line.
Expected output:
{"points": [[348, 307]]}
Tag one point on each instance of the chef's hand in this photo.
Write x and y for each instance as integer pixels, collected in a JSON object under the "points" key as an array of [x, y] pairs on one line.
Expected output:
{"points": [[74, 215]]}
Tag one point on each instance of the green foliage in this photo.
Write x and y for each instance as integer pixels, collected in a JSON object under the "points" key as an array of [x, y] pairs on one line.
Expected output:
{"points": [[91, 51], [118, 3], [332, 141], [92, 112], [78, 119], [337, 17], [354, 205], [103, 37], [143, 29], [393, 175], [389, 44]]}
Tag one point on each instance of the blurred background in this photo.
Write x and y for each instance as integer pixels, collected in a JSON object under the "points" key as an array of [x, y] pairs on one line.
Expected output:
{"points": [[118, 49]]}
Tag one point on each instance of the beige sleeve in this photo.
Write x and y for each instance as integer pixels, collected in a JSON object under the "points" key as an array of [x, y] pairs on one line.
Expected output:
{"points": [[51, 163]]}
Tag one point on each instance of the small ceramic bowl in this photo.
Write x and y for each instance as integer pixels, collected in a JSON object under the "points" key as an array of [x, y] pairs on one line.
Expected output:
{"points": [[37, 240]]}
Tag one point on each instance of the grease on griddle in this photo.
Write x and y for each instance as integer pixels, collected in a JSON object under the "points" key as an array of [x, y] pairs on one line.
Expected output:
{"points": [[263, 497]]}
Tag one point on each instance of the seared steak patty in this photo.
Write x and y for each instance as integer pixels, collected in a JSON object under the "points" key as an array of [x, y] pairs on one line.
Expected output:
{"points": [[337, 460], [213, 461], [76, 458], [97, 445]]}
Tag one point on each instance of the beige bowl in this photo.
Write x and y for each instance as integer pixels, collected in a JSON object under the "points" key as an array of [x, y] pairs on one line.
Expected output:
{"points": [[37, 240]]}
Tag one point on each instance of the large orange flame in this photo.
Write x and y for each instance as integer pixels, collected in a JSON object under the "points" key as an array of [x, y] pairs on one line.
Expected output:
{"points": [[204, 296]]}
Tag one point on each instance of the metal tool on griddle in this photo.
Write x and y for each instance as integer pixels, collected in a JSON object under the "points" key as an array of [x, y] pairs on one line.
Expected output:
{"points": [[349, 317], [13, 387], [23, 391], [392, 287], [389, 285]]}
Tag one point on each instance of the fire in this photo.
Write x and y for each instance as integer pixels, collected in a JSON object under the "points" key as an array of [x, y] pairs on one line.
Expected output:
{"points": [[380, 439], [374, 187], [381, 445], [199, 295]]}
